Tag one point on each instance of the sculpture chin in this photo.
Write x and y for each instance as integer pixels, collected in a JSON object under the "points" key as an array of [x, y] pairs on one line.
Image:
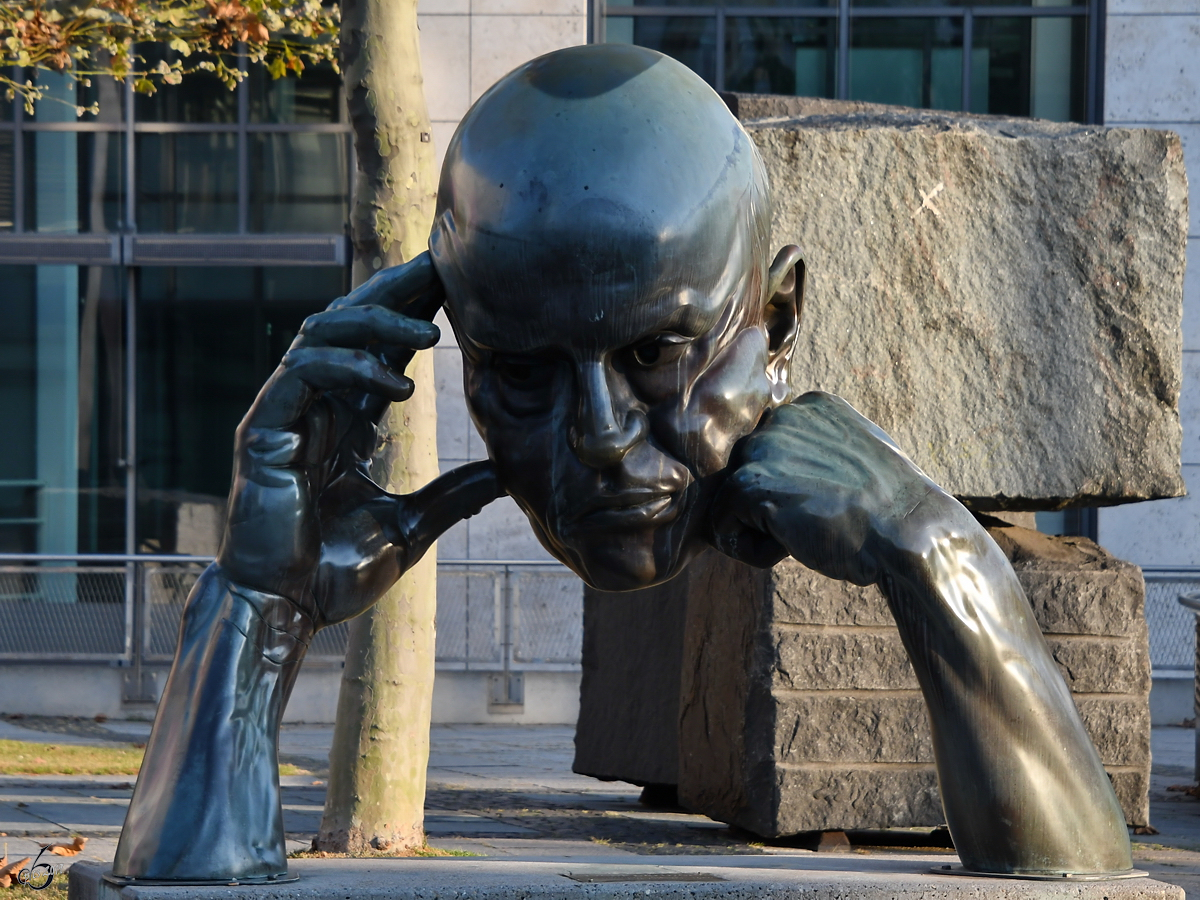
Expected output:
{"points": [[625, 559]]}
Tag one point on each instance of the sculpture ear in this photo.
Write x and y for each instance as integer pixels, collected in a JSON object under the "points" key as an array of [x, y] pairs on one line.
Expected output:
{"points": [[781, 315]]}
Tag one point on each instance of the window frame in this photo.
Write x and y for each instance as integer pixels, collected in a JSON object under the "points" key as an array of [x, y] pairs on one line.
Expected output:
{"points": [[844, 13]]}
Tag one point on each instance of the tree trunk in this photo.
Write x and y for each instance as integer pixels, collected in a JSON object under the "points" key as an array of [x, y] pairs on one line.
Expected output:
{"points": [[380, 748]]}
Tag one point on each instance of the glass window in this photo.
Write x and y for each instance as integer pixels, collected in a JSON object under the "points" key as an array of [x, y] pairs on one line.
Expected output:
{"points": [[314, 98], [73, 181], [780, 56], [201, 97], [298, 182], [908, 62], [1033, 67], [207, 340], [63, 95], [903, 4], [8, 199], [61, 475], [187, 183], [690, 39]]}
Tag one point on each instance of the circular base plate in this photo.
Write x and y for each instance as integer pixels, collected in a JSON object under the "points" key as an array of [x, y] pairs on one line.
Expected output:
{"points": [[121, 881], [1042, 876]]}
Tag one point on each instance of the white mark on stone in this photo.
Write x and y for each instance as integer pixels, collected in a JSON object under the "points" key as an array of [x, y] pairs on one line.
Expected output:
{"points": [[927, 201]]}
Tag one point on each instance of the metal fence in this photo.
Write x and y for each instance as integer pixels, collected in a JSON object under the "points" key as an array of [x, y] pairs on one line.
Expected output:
{"points": [[1172, 627], [494, 615]]}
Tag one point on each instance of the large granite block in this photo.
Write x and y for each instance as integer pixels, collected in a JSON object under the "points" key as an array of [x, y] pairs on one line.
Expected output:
{"points": [[821, 697], [632, 654], [795, 708], [1002, 296]]}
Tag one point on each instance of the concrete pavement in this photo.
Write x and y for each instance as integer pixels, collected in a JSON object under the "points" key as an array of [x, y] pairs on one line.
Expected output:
{"points": [[509, 793]]}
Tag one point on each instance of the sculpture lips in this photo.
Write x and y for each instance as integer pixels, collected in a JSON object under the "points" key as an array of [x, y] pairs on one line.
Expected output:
{"points": [[638, 508]]}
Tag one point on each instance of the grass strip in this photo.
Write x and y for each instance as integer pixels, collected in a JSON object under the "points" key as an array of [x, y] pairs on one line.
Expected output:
{"points": [[27, 758]]}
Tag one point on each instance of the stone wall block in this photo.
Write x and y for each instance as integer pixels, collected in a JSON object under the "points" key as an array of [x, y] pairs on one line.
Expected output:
{"points": [[860, 727], [1132, 787], [800, 596], [811, 797], [1102, 665], [841, 659], [1119, 726], [1002, 296], [629, 693], [1105, 603]]}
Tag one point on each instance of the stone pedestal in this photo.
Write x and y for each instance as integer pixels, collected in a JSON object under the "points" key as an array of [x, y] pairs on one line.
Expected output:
{"points": [[799, 711]]}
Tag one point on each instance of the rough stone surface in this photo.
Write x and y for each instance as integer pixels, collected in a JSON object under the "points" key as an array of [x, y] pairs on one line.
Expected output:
{"points": [[851, 877], [860, 797], [785, 672], [1018, 332], [629, 693]]}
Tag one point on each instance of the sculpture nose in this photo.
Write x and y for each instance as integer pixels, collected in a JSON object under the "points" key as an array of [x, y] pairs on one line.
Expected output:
{"points": [[602, 436]]}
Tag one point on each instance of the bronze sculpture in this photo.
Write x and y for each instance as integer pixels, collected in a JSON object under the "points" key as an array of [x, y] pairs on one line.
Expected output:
{"points": [[601, 245]]}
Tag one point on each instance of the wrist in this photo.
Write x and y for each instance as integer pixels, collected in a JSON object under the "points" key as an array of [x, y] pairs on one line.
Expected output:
{"points": [[930, 525], [276, 624]]}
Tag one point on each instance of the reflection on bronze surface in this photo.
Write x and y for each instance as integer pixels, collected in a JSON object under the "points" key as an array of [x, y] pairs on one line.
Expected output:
{"points": [[602, 237]]}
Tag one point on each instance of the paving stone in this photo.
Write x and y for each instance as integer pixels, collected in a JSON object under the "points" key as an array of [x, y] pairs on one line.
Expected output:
{"points": [[834, 877]]}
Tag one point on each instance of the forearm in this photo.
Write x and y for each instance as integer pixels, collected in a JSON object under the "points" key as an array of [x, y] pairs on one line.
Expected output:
{"points": [[1022, 785], [207, 805]]}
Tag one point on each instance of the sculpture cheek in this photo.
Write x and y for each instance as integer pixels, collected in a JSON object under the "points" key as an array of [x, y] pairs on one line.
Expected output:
{"points": [[725, 404]]}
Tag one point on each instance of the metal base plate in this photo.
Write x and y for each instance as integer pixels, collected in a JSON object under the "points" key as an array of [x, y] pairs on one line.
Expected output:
{"points": [[121, 881], [1042, 876]]}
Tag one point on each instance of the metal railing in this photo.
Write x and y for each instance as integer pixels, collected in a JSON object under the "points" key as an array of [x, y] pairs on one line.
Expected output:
{"points": [[498, 616], [1172, 627]]}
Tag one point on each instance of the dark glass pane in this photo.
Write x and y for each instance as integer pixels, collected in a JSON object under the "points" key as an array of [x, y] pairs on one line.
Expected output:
{"points": [[207, 340], [780, 56], [1029, 67], [313, 97], [298, 182], [909, 62], [73, 181], [63, 95], [7, 185], [61, 481], [903, 4], [187, 183], [200, 97], [690, 39]]}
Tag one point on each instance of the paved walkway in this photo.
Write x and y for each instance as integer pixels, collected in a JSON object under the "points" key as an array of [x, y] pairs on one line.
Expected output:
{"points": [[508, 792]]}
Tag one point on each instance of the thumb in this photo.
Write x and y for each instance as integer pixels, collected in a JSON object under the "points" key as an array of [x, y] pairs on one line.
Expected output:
{"points": [[445, 501]]}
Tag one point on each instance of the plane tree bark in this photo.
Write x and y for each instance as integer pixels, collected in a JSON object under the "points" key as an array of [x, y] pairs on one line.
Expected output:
{"points": [[375, 800]]}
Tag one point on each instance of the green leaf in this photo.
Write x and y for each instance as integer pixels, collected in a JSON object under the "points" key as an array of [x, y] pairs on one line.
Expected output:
{"points": [[277, 67], [143, 86]]}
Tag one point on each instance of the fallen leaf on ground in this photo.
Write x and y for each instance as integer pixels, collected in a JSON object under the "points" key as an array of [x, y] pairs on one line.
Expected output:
{"points": [[8, 873], [72, 849], [1192, 790]]}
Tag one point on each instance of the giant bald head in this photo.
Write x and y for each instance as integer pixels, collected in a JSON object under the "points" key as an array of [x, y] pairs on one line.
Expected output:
{"points": [[602, 233]]}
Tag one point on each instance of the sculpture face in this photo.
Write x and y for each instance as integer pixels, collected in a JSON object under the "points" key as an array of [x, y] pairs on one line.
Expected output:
{"points": [[602, 237]]}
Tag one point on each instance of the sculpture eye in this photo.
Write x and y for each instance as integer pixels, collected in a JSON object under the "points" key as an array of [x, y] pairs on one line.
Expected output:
{"points": [[659, 349], [516, 372]]}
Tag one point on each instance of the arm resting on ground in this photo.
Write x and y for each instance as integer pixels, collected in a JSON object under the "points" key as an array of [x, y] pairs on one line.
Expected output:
{"points": [[1022, 785], [207, 802]]}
